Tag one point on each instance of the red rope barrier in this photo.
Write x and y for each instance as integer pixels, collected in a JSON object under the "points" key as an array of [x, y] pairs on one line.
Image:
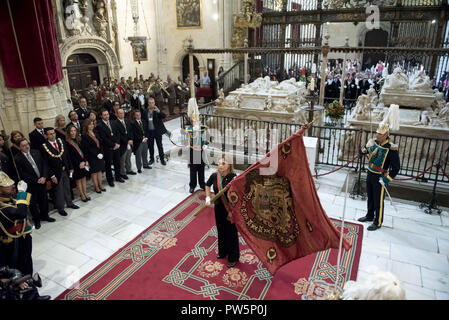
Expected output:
{"points": [[422, 173], [444, 173], [339, 168]]}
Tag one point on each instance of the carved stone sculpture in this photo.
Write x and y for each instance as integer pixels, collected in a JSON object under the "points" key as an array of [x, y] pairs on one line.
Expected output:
{"points": [[100, 20], [372, 96], [362, 108], [396, 81], [221, 98], [420, 82], [72, 17], [439, 102]]}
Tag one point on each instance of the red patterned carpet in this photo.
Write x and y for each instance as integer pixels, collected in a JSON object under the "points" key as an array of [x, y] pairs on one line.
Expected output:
{"points": [[175, 259]]}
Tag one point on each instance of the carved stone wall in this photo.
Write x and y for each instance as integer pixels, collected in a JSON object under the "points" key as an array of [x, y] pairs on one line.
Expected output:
{"points": [[18, 107]]}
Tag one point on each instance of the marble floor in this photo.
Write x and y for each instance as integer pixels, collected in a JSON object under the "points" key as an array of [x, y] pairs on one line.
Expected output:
{"points": [[411, 244]]}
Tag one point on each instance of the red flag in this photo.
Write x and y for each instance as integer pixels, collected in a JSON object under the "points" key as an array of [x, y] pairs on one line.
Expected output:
{"points": [[279, 214]]}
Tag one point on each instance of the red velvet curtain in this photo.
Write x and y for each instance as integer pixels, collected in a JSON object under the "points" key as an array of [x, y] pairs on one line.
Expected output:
{"points": [[29, 50]]}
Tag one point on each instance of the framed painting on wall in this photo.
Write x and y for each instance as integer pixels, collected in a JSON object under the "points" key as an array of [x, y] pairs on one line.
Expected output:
{"points": [[188, 14]]}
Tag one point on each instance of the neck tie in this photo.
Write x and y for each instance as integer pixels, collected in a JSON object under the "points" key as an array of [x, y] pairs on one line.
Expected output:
{"points": [[56, 146], [33, 164]]}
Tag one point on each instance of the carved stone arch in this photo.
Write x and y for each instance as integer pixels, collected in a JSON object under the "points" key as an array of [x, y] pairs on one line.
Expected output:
{"points": [[177, 62], [106, 57]]}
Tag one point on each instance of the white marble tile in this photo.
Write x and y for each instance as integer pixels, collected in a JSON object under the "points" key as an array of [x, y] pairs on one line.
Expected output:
{"points": [[367, 260], [404, 238], [112, 226], [55, 270], [435, 279], [95, 250], [51, 288], [418, 293], [421, 228], [407, 273], [146, 219], [433, 261], [441, 295], [356, 204], [129, 232], [67, 256], [376, 247], [443, 246], [417, 215], [109, 242]]}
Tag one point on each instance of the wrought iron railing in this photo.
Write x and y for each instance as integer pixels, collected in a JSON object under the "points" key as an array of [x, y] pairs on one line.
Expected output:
{"points": [[232, 78], [337, 146]]}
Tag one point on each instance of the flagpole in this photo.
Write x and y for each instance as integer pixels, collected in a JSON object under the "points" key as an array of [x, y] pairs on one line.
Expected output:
{"points": [[335, 294], [212, 200]]}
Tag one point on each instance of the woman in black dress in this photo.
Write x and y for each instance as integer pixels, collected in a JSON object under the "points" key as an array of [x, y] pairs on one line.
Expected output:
{"points": [[228, 239], [90, 144], [79, 163]]}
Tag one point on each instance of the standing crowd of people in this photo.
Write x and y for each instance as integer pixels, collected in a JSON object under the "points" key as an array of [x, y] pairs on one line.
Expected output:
{"points": [[61, 156]]}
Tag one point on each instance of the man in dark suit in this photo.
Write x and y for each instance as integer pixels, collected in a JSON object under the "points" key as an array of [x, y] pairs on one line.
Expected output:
{"points": [[83, 112], [73, 116], [60, 168], [113, 112], [108, 102], [364, 85], [34, 171], [110, 140], [139, 130], [37, 136], [156, 128], [126, 142]]}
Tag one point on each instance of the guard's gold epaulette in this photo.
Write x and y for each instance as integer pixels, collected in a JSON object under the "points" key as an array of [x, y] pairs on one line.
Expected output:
{"points": [[394, 146]]}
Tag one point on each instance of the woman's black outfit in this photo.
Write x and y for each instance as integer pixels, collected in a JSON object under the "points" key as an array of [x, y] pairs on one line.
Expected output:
{"points": [[76, 157], [91, 148], [228, 239]]}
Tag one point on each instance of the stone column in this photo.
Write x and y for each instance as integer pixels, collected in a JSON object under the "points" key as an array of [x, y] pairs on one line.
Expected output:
{"points": [[324, 52]]}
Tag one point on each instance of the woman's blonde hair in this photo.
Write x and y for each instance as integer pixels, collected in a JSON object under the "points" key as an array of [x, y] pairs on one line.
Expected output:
{"points": [[58, 117]]}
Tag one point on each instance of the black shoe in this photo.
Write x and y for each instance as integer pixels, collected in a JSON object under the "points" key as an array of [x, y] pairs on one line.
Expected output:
{"points": [[131, 173], [163, 162], [147, 167], [151, 162], [85, 200], [373, 227], [88, 199], [48, 219], [111, 183], [120, 180], [191, 190], [43, 298], [37, 225], [139, 171], [232, 264], [74, 206], [124, 176], [103, 189], [203, 188], [365, 219], [62, 213]]}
